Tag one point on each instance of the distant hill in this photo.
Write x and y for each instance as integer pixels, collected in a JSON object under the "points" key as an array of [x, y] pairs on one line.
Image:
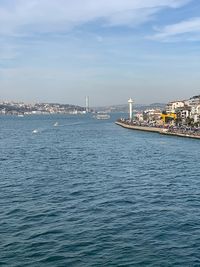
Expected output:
{"points": [[152, 106], [124, 107]]}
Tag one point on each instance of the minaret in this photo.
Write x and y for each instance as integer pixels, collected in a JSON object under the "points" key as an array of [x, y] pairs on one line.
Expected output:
{"points": [[130, 103], [87, 104]]}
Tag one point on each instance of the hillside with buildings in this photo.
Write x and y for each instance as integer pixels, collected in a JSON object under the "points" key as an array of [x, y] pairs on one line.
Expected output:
{"points": [[178, 112], [179, 118], [20, 108]]}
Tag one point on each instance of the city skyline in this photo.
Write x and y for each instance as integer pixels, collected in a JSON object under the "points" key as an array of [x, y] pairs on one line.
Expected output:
{"points": [[61, 51]]}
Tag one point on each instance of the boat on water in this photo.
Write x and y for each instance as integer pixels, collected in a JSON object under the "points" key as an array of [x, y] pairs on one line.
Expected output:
{"points": [[102, 116], [55, 124]]}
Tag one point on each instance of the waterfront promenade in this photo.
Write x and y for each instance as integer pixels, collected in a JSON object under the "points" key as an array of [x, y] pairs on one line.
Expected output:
{"points": [[180, 132]]}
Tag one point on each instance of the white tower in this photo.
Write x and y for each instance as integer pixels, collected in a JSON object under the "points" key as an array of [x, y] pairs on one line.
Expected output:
{"points": [[130, 102], [87, 104]]}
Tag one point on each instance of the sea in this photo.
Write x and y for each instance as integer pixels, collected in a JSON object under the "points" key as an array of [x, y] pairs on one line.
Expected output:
{"points": [[80, 192]]}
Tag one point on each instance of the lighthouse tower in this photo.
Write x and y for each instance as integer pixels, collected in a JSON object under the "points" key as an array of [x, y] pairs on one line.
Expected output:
{"points": [[130, 103]]}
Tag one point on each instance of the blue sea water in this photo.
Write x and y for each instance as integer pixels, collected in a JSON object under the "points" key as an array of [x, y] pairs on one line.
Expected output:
{"points": [[90, 193]]}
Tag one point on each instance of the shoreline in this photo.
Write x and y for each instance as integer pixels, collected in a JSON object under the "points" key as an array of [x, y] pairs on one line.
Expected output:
{"points": [[155, 130]]}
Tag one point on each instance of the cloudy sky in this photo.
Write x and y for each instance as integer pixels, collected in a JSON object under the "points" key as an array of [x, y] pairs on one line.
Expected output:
{"points": [[110, 50]]}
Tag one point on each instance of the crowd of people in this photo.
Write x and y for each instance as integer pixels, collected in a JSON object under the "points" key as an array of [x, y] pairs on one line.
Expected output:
{"points": [[194, 131]]}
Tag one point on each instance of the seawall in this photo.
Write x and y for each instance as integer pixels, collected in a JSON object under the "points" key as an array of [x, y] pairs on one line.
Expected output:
{"points": [[139, 128], [155, 130]]}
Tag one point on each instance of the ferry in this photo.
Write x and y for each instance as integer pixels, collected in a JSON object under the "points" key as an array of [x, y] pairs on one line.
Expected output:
{"points": [[102, 116]]}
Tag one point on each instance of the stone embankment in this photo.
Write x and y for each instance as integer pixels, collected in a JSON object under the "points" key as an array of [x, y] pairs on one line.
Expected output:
{"points": [[156, 130], [137, 127]]}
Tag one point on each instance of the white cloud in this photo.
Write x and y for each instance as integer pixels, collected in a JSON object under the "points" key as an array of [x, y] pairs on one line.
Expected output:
{"points": [[22, 16], [188, 30]]}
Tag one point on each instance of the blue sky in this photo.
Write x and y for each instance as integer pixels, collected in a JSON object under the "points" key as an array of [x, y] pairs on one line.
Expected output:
{"points": [[63, 50]]}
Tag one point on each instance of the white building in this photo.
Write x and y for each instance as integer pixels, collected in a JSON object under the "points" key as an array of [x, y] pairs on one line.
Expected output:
{"points": [[139, 116], [195, 113], [173, 105]]}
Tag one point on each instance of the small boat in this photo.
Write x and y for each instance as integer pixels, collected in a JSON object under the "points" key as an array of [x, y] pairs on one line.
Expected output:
{"points": [[20, 115], [35, 131], [55, 124]]}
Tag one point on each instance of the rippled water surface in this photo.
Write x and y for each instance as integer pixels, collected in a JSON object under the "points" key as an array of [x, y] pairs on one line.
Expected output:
{"points": [[90, 193]]}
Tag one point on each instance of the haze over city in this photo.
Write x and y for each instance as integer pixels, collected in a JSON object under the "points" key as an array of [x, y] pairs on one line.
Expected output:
{"points": [[61, 51]]}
